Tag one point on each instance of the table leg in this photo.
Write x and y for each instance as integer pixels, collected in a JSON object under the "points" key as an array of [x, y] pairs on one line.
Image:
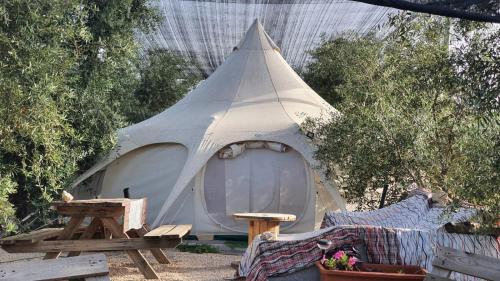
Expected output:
{"points": [[253, 230], [66, 234], [87, 234], [256, 227], [157, 253], [139, 260], [262, 227], [274, 228]]}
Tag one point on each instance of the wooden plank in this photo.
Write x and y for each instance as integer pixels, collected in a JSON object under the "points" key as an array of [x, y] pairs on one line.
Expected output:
{"points": [[467, 263], [60, 269], [67, 233], [33, 236], [169, 231], [87, 234], [265, 216], [118, 244], [157, 232], [252, 225], [179, 231], [139, 260], [135, 214], [95, 203], [274, 228], [142, 264], [262, 227], [432, 277], [91, 211], [159, 255], [441, 272]]}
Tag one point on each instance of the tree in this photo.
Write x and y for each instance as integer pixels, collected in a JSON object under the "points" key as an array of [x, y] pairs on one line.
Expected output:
{"points": [[68, 74], [414, 111], [165, 79]]}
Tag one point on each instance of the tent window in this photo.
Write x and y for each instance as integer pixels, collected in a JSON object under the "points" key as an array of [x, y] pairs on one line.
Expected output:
{"points": [[258, 180]]}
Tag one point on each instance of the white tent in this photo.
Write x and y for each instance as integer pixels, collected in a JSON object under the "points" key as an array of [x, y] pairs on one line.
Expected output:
{"points": [[233, 144]]}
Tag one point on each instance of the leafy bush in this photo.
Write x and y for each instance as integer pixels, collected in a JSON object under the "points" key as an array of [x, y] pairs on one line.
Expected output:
{"points": [[415, 110], [69, 71], [165, 79], [8, 221]]}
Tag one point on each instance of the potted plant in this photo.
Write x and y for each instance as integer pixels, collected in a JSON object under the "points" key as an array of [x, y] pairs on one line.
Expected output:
{"points": [[343, 267]]}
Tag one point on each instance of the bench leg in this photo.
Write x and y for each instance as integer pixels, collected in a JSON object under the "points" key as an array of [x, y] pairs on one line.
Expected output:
{"points": [[67, 233], [87, 234], [157, 253], [139, 260]]}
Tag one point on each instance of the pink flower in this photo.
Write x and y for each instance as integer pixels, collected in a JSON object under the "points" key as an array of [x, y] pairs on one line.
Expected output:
{"points": [[352, 261], [338, 255]]}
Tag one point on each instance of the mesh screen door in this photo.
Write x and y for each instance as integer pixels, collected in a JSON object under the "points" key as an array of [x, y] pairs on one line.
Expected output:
{"points": [[258, 180]]}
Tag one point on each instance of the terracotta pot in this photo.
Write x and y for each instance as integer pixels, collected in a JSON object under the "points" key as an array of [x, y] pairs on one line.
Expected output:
{"points": [[373, 272]]}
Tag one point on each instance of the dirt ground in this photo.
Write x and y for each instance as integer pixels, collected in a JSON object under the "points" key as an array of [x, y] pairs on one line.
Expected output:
{"points": [[184, 266]]}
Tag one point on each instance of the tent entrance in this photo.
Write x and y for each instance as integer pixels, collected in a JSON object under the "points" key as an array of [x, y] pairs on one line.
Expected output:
{"points": [[256, 180]]}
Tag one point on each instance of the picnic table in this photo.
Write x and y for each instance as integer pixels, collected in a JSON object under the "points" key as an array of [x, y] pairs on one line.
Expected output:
{"points": [[263, 222], [120, 221]]}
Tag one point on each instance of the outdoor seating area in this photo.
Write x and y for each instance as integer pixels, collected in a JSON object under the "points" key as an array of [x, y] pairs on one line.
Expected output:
{"points": [[411, 232], [103, 233]]}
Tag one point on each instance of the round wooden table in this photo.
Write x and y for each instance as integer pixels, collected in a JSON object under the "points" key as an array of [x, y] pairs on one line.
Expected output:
{"points": [[263, 222]]}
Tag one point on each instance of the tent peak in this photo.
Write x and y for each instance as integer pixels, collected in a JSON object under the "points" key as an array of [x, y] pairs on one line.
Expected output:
{"points": [[256, 38]]}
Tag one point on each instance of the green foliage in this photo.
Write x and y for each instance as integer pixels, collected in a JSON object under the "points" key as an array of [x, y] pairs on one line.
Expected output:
{"points": [[340, 261], [340, 63], [7, 213], [198, 249], [236, 245], [414, 111], [68, 74], [165, 79]]}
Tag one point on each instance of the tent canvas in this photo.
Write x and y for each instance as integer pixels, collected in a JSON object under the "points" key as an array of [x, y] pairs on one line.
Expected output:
{"points": [[233, 144]]}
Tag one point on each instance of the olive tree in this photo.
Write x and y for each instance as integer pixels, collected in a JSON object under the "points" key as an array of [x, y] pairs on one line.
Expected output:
{"points": [[419, 106]]}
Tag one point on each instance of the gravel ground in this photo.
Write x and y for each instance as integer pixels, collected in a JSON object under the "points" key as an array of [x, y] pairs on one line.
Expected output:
{"points": [[184, 266]]}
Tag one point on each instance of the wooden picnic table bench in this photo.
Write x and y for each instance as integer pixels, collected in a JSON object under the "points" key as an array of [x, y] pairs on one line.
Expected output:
{"points": [[121, 221]]}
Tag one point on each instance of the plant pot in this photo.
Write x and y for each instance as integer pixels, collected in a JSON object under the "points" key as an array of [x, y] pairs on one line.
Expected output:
{"points": [[373, 272]]}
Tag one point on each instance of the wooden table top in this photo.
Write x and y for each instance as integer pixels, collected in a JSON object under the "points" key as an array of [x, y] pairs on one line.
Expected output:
{"points": [[109, 202], [265, 216]]}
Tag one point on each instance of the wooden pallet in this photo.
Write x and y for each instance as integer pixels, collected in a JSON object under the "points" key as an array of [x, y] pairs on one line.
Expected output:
{"points": [[89, 267], [449, 260]]}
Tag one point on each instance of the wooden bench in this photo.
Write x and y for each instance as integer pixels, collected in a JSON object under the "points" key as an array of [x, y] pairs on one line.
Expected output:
{"points": [[449, 260], [164, 232], [32, 237], [169, 232], [89, 267]]}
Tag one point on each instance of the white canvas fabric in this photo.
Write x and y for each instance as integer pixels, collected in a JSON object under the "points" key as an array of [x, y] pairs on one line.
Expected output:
{"points": [[253, 96]]}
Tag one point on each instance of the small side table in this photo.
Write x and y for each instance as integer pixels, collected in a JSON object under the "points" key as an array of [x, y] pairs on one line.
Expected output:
{"points": [[263, 222]]}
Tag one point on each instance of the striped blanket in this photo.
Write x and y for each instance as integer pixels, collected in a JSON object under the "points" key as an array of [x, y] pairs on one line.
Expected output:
{"points": [[403, 233]]}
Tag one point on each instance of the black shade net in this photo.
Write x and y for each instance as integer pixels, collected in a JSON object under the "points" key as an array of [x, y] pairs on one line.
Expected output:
{"points": [[478, 10]]}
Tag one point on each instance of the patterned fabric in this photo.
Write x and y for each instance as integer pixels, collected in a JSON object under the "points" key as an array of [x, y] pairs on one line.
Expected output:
{"points": [[403, 233], [293, 252], [419, 228]]}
